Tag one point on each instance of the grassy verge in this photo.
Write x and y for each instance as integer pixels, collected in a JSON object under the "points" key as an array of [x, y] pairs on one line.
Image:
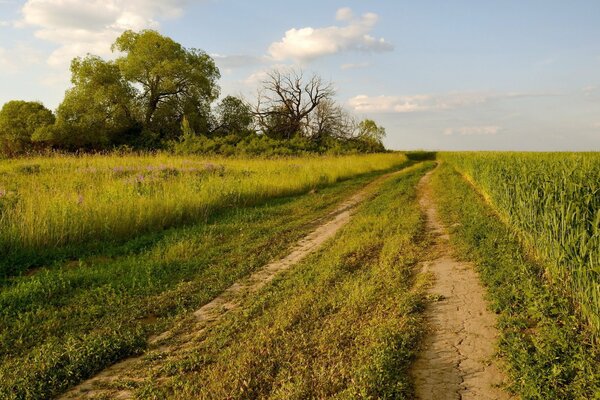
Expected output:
{"points": [[548, 351], [63, 324], [344, 323]]}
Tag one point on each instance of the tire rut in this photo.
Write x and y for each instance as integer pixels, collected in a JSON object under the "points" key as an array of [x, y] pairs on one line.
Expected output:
{"points": [[182, 339]]}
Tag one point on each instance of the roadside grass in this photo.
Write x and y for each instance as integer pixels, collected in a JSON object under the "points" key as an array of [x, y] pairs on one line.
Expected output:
{"points": [[63, 206], [344, 323], [548, 349], [68, 321]]}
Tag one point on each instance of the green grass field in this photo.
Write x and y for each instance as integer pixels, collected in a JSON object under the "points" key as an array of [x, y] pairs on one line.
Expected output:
{"points": [[62, 206], [101, 252]]}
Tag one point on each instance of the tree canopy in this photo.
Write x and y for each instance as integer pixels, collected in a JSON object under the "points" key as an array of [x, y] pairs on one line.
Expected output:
{"points": [[19, 120], [173, 81], [158, 94]]}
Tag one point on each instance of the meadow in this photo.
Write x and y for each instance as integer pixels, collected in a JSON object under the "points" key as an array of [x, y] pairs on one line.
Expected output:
{"points": [[101, 252], [62, 206], [87, 305], [344, 323]]}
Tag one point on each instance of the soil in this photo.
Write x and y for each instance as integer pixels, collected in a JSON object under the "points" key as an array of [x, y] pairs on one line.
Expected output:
{"points": [[457, 358]]}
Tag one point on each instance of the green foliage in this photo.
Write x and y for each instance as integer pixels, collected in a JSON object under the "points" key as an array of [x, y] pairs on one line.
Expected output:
{"points": [[175, 81], [19, 121], [96, 111], [234, 116], [549, 351], [140, 101]]}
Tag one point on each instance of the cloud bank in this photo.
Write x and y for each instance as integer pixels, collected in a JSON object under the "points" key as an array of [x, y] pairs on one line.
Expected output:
{"points": [[307, 44], [416, 103], [431, 102], [473, 130], [78, 27]]}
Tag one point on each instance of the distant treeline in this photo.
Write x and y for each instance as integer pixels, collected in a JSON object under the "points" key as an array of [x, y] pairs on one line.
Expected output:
{"points": [[160, 95]]}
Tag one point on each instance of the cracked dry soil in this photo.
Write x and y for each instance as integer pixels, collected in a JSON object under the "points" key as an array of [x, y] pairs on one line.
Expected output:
{"points": [[456, 360]]}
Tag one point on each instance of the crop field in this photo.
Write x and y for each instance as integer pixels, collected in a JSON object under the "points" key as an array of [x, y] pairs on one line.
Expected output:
{"points": [[531, 223], [552, 201], [107, 262]]}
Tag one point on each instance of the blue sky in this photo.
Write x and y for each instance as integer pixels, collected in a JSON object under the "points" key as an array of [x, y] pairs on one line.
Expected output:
{"points": [[453, 75]]}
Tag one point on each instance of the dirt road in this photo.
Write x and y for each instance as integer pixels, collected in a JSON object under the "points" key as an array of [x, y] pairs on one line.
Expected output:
{"points": [[457, 357]]}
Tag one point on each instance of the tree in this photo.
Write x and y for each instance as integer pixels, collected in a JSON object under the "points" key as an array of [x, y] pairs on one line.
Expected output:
{"points": [[173, 81], [234, 116], [98, 110], [330, 120], [18, 122], [370, 136], [287, 100]]}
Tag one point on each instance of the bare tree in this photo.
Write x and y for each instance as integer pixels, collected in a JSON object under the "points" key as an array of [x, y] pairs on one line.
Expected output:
{"points": [[287, 100]]}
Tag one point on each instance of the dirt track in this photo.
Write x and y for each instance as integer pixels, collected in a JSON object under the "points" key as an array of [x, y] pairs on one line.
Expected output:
{"points": [[172, 342], [457, 358]]}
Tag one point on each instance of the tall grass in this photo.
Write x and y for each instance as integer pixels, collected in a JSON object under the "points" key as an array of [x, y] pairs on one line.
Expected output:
{"points": [[47, 203], [553, 202]]}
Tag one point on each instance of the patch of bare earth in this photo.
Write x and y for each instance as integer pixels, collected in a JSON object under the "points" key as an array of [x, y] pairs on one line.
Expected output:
{"points": [[457, 356], [115, 381]]}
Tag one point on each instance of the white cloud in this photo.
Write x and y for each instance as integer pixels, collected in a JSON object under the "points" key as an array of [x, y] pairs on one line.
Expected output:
{"points": [[596, 125], [473, 130], [14, 59], [415, 103], [306, 44], [237, 61], [430, 102], [344, 14], [591, 90], [355, 65], [78, 27]]}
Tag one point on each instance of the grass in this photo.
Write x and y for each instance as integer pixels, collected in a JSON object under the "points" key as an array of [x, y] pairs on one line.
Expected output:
{"points": [[344, 323], [549, 350], [552, 202], [68, 321], [65, 206]]}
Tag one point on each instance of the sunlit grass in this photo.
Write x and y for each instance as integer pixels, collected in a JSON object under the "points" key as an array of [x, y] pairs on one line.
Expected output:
{"points": [[65, 323], [46, 203]]}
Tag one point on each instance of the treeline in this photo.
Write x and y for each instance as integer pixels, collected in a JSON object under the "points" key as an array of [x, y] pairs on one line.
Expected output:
{"points": [[159, 95]]}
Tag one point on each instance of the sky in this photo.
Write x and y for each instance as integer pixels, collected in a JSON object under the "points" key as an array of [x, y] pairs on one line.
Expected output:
{"points": [[438, 75]]}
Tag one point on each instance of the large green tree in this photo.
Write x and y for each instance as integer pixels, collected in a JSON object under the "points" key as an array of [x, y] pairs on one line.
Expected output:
{"points": [[173, 81], [97, 111], [18, 122]]}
